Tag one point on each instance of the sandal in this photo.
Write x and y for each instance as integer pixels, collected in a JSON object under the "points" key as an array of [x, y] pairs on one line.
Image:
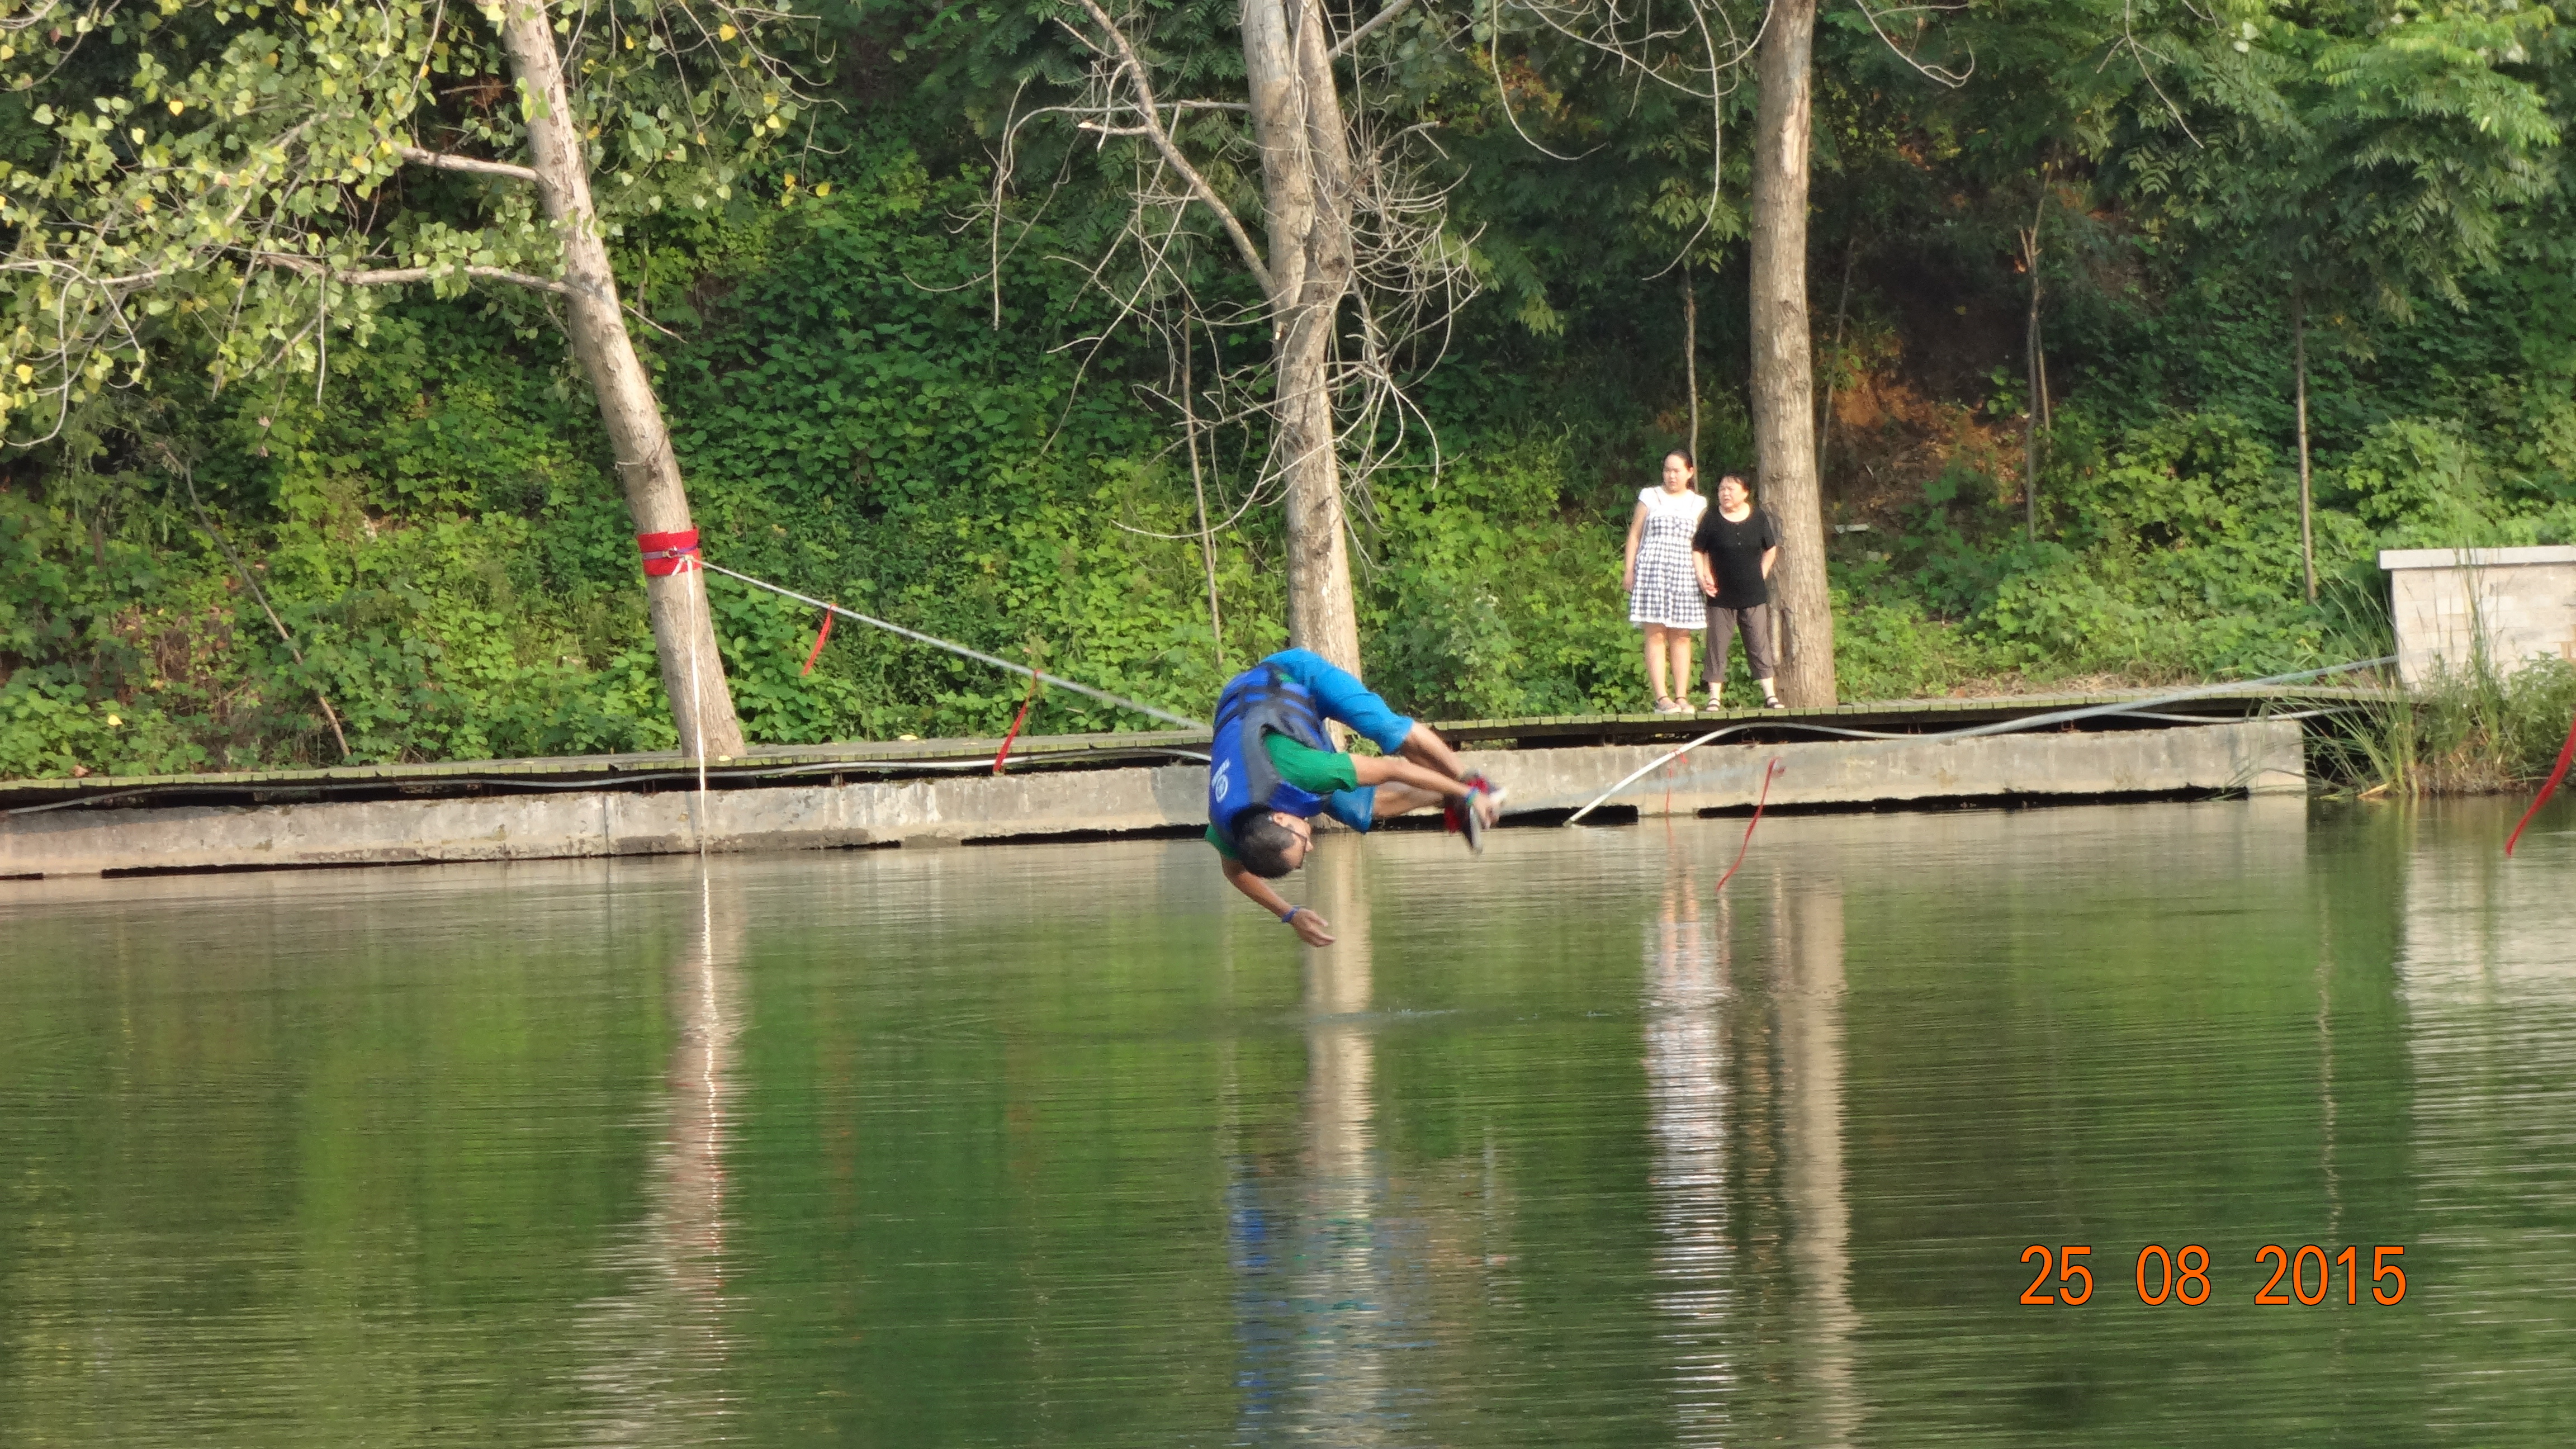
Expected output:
{"points": [[1666, 704]]}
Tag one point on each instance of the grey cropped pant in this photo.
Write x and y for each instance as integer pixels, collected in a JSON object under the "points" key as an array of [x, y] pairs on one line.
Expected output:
{"points": [[1755, 625]]}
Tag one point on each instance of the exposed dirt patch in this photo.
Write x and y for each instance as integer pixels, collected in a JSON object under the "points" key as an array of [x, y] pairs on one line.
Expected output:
{"points": [[1887, 439]]}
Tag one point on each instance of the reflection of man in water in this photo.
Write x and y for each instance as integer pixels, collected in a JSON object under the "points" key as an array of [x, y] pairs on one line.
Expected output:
{"points": [[1272, 770], [1329, 1293]]}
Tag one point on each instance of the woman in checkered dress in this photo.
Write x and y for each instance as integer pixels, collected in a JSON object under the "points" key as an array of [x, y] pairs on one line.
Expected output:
{"points": [[1663, 587]]}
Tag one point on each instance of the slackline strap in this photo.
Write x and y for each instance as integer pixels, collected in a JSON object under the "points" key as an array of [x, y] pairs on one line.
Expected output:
{"points": [[666, 554], [1104, 696]]}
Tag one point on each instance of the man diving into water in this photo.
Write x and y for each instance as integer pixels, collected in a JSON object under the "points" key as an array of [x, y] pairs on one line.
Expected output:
{"points": [[1272, 770]]}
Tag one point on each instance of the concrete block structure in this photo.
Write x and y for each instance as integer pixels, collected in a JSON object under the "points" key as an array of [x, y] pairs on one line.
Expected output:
{"points": [[2518, 604], [2241, 757]]}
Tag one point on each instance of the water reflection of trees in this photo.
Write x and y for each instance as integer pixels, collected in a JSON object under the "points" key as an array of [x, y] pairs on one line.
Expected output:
{"points": [[1318, 1299], [2486, 980], [1807, 1001], [1740, 1107], [657, 1354], [1365, 1275], [313, 1152], [1687, 1103]]}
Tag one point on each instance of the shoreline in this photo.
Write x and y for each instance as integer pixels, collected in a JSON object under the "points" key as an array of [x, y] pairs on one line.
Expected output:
{"points": [[1066, 797]]}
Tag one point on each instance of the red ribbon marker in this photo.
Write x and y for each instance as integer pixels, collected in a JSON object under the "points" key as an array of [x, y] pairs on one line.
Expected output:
{"points": [[2566, 752], [666, 554], [1774, 768], [819, 640], [1003, 756]]}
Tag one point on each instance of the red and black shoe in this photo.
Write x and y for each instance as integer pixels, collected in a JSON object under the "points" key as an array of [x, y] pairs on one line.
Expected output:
{"points": [[1467, 816]]}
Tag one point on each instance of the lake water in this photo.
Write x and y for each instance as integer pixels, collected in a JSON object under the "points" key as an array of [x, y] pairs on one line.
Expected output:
{"points": [[1067, 1145]]}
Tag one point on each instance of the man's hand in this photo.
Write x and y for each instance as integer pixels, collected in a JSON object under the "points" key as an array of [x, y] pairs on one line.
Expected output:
{"points": [[1312, 929]]}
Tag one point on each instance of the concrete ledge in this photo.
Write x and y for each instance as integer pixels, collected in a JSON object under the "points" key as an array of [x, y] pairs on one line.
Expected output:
{"points": [[2473, 558], [2253, 757], [2256, 757]]}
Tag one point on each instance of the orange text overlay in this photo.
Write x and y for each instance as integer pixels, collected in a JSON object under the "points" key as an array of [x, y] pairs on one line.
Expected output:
{"points": [[2290, 1277]]}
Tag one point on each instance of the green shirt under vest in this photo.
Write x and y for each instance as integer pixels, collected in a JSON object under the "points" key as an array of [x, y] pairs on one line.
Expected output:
{"points": [[1317, 772]]}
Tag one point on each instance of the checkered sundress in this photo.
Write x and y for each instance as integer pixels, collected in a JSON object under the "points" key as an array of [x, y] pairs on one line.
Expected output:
{"points": [[1667, 590]]}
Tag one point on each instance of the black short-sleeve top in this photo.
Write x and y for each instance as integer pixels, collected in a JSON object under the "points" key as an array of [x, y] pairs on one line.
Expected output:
{"points": [[1735, 556]]}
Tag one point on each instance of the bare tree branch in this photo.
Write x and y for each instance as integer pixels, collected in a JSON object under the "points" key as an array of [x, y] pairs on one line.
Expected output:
{"points": [[1162, 139], [1939, 75], [397, 276], [1365, 31], [440, 161], [1404, 274]]}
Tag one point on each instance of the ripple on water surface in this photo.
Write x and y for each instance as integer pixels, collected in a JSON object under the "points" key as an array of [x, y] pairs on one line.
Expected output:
{"points": [[1066, 1144]]}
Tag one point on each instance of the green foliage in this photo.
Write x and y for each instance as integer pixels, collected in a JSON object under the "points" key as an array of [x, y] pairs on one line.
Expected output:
{"points": [[442, 540], [2431, 483], [1887, 647], [2175, 554], [227, 181], [1489, 601], [869, 411], [2374, 155]]}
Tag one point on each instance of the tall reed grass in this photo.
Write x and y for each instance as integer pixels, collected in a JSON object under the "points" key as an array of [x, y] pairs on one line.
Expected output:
{"points": [[2474, 731]]}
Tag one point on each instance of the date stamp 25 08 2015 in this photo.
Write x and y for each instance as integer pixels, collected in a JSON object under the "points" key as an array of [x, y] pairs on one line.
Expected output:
{"points": [[2182, 1275]]}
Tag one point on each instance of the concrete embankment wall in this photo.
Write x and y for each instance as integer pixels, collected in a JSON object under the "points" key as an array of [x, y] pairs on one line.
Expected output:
{"points": [[2256, 757]]}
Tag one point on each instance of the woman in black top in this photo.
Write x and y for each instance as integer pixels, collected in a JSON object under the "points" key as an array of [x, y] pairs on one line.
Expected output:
{"points": [[1734, 550]]}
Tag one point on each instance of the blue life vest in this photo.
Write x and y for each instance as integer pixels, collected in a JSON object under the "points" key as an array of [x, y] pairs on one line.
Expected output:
{"points": [[1259, 702]]}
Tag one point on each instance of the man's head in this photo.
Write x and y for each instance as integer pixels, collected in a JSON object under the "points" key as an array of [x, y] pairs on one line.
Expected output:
{"points": [[1274, 844]]}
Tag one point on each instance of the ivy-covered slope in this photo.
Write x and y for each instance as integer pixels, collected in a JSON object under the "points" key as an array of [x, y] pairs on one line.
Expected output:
{"points": [[864, 416]]}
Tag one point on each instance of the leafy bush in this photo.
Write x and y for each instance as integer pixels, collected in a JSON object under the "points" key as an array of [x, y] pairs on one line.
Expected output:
{"points": [[441, 535], [1490, 597], [1888, 649]]}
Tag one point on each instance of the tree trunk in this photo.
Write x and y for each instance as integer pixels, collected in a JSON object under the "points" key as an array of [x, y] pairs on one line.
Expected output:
{"points": [[2037, 402], [1784, 395], [1825, 410], [2299, 368], [683, 634], [1306, 200], [1690, 357]]}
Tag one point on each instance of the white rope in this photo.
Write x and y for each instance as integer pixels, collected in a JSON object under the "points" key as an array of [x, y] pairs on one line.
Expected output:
{"points": [[1104, 696], [2137, 707]]}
